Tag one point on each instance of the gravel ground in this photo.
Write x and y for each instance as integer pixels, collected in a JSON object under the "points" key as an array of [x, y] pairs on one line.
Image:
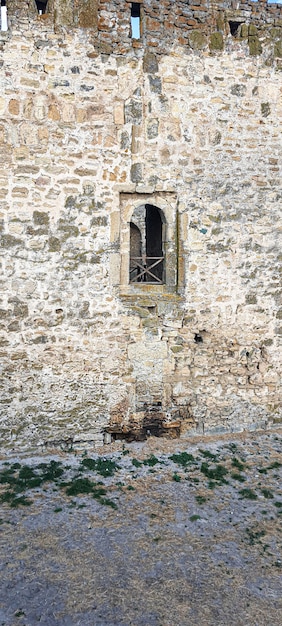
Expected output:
{"points": [[179, 533]]}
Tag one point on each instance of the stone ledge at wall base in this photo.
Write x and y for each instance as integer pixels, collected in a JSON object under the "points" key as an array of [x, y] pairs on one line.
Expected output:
{"points": [[108, 437]]}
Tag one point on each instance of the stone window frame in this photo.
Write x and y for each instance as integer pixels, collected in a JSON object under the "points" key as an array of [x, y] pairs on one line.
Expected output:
{"points": [[167, 202]]}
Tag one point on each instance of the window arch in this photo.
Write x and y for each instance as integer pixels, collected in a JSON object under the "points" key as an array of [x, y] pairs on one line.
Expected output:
{"points": [[147, 256]]}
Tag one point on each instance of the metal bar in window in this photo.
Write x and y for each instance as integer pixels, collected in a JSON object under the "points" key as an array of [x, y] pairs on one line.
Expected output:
{"points": [[143, 269]]}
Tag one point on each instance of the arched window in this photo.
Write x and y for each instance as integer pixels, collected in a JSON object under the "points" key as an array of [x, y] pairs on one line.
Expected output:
{"points": [[147, 245]]}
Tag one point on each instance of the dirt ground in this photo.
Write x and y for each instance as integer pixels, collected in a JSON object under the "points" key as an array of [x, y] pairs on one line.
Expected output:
{"points": [[188, 534]]}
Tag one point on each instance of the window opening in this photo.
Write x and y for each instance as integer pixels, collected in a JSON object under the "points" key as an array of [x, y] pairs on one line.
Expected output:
{"points": [[146, 246], [3, 16], [41, 7], [234, 28], [135, 21]]}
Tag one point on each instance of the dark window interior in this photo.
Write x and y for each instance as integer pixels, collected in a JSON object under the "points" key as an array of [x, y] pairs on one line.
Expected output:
{"points": [[146, 246], [234, 28], [135, 9], [41, 6], [154, 244]]}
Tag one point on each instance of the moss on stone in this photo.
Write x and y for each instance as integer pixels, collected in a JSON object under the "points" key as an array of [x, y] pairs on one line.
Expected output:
{"points": [[278, 48], [197, 40], [216, 41], [9, 241], [215, 218], [244, 31], [142, 312], [70, 202], [251, 298], [265, 109], [20, 310], [255, 46], [176, 349], [54, 244], [100, 220], [253, 31], [40, 218], [220, 21], [275, 33], [69, 230]]}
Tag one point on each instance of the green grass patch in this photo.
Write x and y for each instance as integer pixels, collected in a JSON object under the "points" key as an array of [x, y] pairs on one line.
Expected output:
{"points": [[237, 476], [51, 471], [278, 504], [200, 499], [194, 518], [255, 536], [274, 465], [208, 455], [176, 478], [125, 451], [212, 484], [104, 467], [216, 473], [80, 486], [108, 502], [267, 493], [14, 500], [236, 463], [249, 494], [183, 458], [136, 463], [151, 461]]}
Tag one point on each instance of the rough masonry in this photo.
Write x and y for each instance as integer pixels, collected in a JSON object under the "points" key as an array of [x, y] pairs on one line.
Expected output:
{"points": [[95, 124]]}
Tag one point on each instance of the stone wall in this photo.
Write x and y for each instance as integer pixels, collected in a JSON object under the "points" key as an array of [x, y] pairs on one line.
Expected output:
{"points": [[93, 124]]}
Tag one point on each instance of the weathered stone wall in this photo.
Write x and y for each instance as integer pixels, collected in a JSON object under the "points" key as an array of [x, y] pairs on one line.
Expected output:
{"points": [[92, 125]]}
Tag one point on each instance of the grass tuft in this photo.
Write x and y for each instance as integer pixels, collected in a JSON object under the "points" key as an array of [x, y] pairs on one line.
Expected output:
{"points": [[182, 458], [104, 467], [236, 463], [208, 455], [267, 493], [176, 478], [216, 473], [136, 463], [201, 499], [248, 493], [151, 461], [237, 476]]}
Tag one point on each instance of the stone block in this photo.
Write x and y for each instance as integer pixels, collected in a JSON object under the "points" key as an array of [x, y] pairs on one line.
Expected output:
{"points": [[119, 113]]}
